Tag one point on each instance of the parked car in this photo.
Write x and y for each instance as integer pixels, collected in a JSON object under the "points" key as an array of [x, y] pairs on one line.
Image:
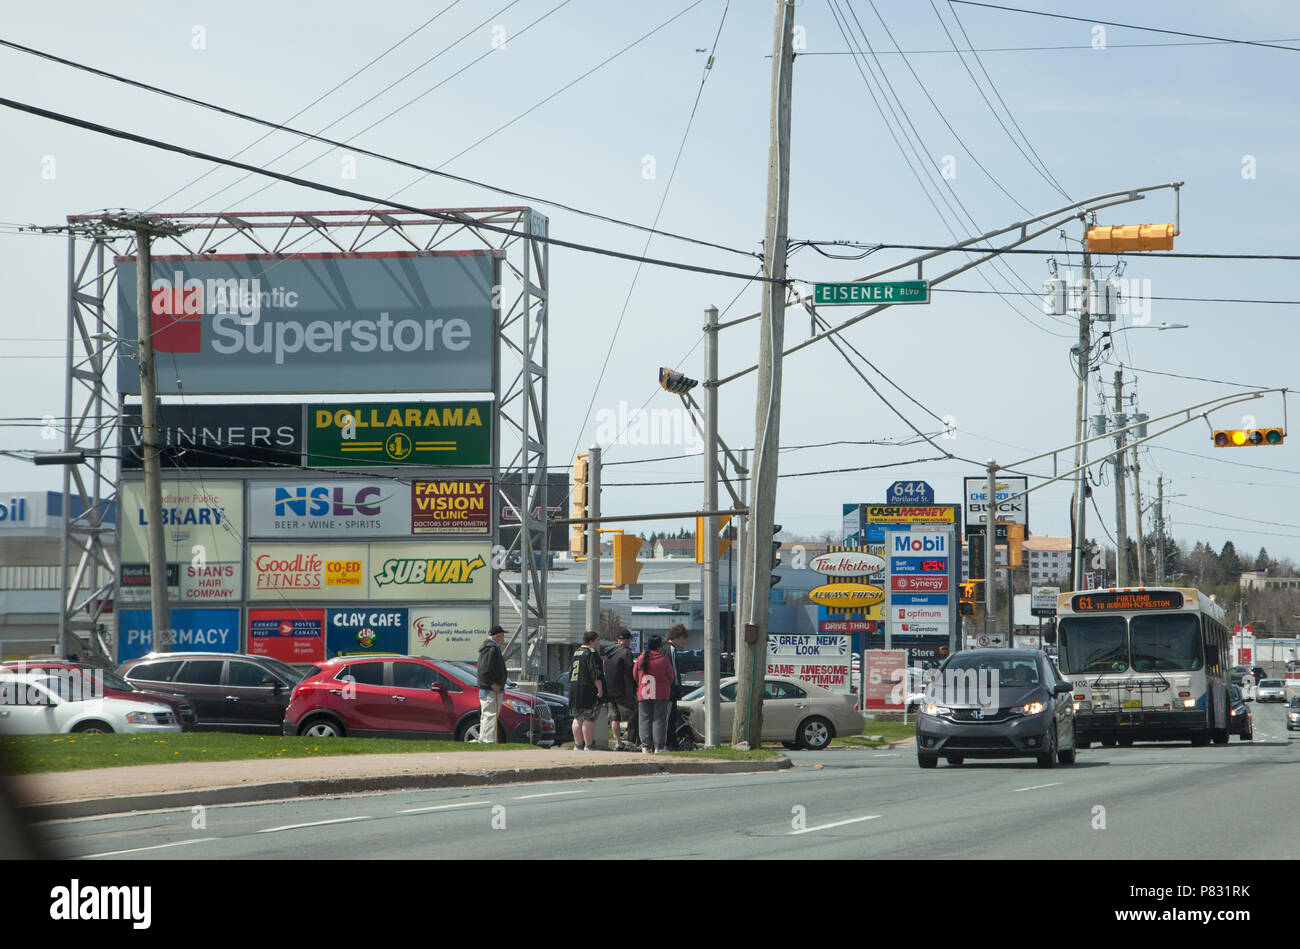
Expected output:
{"points": [[1271, 690], [38, 703], [558, 702], [1239, 717], [797, 714], [231, 692], [406, 697], [113, 686], [1030, 714], [1238, 674], [1259, 673], [1293, 715]]}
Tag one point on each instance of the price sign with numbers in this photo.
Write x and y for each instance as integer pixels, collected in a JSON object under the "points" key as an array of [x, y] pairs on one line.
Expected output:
{"points": [[909, 492]]}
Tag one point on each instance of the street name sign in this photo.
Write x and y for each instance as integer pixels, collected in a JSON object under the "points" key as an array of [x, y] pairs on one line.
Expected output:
{"points": [[850, 294]]}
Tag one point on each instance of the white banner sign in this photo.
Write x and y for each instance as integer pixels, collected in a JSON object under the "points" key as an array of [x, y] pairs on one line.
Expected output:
{"points": [[813, 647], [830, 674], [449, 632]]}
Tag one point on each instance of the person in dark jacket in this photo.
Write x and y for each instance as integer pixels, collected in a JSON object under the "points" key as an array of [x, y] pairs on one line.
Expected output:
{"points": [[491, 684], [586, 691], [622, 692]]}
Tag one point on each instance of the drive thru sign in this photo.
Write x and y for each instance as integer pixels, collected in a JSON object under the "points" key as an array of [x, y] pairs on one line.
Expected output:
{"points": [[848, 294]]}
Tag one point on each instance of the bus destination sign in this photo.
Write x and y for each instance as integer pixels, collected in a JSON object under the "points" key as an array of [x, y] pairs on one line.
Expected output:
{"points": [[1123, 602]]}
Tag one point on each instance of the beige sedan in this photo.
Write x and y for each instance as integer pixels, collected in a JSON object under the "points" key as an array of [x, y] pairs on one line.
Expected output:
{"points": [[795, 713]]}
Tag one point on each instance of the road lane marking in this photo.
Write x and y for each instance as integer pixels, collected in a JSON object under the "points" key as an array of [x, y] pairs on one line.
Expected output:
{"points": [[443, 807], [526, 797], [179, 843], [838, 823], [318, 823], [1039, 787], [887, 754]]}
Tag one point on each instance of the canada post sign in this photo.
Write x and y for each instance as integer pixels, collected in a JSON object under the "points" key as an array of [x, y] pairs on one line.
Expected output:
{"points": [[388, 322]]}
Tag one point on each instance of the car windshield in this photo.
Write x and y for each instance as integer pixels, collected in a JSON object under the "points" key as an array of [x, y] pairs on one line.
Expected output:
{"points": [[1272, 683], [1091, 644], [1013, 671], [1165, 642]]}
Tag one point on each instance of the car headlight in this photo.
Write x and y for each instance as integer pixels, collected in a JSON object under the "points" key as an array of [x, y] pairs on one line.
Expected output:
{"points": [[1236, 711], [1030, 708], [930, 708], [140, 718], [515, 705]]}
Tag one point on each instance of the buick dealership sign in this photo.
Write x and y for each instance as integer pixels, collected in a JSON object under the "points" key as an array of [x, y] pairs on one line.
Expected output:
{"points": [[314, 323]]}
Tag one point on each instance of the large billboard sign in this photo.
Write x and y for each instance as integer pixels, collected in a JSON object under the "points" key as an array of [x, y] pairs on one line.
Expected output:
{"points": [[383, 434], [218, 436], [385, 322], [306, 508]]}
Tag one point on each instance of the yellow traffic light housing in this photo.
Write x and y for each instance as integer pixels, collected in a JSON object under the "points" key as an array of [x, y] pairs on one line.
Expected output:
{"points": [[1015, 537], [968, 603], [1248, 437], [1131, 237], [701, 527], [626, 568], [578, 508]]}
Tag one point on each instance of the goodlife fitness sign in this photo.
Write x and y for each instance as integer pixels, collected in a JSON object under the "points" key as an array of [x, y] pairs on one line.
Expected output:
{"points": [[388, 322]]}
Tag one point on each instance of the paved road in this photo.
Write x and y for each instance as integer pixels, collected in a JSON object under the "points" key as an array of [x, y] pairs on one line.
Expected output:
{"points": [[1147, 801]]}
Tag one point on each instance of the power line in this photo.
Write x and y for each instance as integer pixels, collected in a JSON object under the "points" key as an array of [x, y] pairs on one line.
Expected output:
{"points": [[1035, 49], [276, 126], [1171, 299], [1127, 26], [358, 196], [1151, 255], [1235, 517]]}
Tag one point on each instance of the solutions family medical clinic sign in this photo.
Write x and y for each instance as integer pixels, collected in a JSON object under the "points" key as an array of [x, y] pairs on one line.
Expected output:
{"points": [[386, 322]]}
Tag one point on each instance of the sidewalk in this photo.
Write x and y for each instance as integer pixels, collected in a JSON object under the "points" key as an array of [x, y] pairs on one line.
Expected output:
{"points": [[67, 794]]}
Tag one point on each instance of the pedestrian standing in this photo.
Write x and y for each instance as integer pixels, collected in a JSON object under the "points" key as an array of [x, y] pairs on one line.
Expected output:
{"points": [[586, 691], [491, 683], [654, 686], [622, 692], [676, 640]]}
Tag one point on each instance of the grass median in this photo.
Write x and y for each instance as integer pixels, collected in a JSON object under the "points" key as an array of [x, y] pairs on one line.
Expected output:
{"points": [[877, 734], [35, 754]]}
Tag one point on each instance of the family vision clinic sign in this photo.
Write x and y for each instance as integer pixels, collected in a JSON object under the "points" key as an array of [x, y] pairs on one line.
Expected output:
{"points": [[385, 322]]}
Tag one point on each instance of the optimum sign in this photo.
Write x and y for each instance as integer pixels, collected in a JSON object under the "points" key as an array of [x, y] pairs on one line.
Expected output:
{"points": [[315, 323]]}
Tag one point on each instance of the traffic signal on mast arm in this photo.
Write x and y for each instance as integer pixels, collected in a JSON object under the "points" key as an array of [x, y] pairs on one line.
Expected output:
{"points": [[1015, 537], [626, 568], [1131, 237], [578, 532], [776, 553], [1247, 437], [701, 528], [675, 381]]}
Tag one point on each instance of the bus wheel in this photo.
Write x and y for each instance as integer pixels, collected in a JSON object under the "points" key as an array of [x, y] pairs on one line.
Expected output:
{"points": [[1201, 739], [1126, 742], [1108, 742]]}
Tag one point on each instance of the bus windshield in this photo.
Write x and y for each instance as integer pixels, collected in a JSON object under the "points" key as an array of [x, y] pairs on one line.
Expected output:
{"points": [[1091, 644], [1165, 642]]}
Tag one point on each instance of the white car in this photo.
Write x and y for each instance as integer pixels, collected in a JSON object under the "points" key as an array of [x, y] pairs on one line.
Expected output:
{"points": [[1271, 690], [798, 714], [38, 704]]}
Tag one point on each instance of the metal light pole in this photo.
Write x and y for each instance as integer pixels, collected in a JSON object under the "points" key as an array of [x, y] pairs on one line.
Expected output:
{"points": [[593, 539], [711, 528], [990, 539], [1080, 423]]}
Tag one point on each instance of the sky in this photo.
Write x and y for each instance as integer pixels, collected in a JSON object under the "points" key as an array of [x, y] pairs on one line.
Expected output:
{"points": [[651, 132]]}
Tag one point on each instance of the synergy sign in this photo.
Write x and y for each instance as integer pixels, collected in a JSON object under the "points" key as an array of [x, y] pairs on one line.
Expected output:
{"points": [[443, 434], [299, 508], [313, 322], [920, 570]]}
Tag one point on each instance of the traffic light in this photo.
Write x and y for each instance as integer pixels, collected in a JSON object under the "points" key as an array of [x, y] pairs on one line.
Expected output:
{"points": [[676, 382], [968, 603], [701, 527], [1015, 537], [578, 532], [1131, 237], [1247, 437], [626, 568], [776, 553]]}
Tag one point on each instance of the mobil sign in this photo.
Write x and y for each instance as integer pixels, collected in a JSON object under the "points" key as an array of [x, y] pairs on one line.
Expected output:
{"points": [[379, 322], [919, 544]]}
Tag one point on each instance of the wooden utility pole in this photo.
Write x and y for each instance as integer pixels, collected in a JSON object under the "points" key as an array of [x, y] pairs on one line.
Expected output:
{"points": [[1121, 520], [751, 644]]}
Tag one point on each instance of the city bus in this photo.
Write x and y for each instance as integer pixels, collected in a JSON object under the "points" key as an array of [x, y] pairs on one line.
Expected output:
{"points": [[1148, 663]]}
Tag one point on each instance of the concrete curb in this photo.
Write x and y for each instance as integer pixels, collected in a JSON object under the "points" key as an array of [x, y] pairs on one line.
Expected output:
{"points": [[328, 787]]}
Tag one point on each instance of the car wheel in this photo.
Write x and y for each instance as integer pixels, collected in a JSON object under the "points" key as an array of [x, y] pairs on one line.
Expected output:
{"points": [[955, 760], [1248, 736], [469, 732], [93, 728], [1048, 758], [815, 733], [322, 728], [927, 761]]}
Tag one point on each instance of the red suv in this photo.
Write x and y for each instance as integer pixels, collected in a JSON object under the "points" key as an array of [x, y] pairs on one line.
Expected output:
{"points": [[114, 686], [406, 697]]}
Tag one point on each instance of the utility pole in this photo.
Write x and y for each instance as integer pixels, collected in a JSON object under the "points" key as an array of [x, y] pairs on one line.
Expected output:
{"points": [[711, 528], [751, 648], [1160, 530], [1137, 500], [1121, 519], [593, 539], [1080, 420], [742, 542], [990, 548], [146, 229]]}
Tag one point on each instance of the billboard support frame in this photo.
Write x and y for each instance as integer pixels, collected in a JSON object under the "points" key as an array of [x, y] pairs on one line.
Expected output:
{"points": [[91, 406]]}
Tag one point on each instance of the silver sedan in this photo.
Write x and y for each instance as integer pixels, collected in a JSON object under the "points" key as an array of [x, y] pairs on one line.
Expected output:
{"points": [[1271, 690], [796, 713]]}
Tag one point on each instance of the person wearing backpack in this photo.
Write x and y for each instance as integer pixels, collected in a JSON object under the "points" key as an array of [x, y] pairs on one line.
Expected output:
{"points": [[586, 691], [622, 692]]}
